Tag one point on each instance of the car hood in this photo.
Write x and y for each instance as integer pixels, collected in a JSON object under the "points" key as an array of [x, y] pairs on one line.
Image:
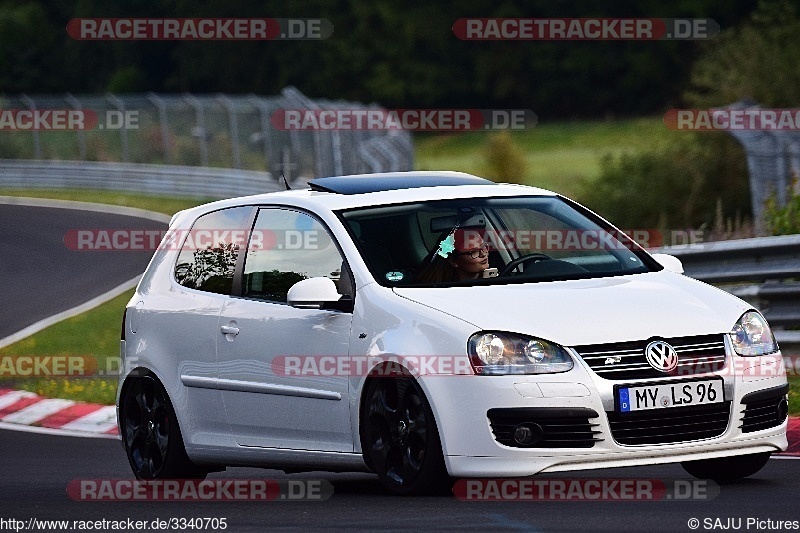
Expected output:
{"points": [[589, 311]]}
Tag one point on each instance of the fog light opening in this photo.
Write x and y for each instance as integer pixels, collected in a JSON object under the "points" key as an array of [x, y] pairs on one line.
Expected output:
{"points": [[527, 434], [783, 410]]}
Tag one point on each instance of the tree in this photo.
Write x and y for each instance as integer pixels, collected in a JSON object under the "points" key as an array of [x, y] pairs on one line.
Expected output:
{"points": [[757, 60], [29, 67]]}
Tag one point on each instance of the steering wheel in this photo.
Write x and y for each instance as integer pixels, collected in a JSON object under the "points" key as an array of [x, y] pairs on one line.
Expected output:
{"points": [[536, 256]]}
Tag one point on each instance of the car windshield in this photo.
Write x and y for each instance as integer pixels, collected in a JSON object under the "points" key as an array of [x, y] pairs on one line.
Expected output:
{"points": [[490, 241]]}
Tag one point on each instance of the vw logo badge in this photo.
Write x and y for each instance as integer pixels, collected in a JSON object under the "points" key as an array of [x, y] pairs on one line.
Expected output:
{"points": [[661, 356]]}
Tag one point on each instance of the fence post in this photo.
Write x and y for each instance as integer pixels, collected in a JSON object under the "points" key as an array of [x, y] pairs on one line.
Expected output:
{"points": [[76, 105], [263, 115], [159, 104], [199, 131], [234, 126], [123, 132], [37, 145]]}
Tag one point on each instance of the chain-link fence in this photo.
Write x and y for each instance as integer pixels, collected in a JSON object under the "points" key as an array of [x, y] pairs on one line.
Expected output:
{"points": [[773, 162], [228, 131]]}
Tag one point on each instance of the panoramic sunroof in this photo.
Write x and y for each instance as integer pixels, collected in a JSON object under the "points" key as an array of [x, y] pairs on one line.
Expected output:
{"points": [[390, 182]]}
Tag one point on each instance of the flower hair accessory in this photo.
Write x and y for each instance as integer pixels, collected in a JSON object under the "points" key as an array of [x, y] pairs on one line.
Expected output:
{"points": [[447, 246]]}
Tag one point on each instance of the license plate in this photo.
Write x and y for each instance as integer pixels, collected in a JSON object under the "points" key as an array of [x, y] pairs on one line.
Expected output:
{"points": [[666, 395]]}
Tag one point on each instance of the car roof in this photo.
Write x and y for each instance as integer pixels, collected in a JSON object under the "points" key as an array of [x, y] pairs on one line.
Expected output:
{"points": [[362, 190]]}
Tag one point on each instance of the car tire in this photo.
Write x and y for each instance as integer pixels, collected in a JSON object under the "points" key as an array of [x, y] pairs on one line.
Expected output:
{"points": [[727, 468], [399, 438], [151, 435]]}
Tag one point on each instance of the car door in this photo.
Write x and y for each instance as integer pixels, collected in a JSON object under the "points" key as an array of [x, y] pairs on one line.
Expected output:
{"points": [[258, 332], [184, 317]]}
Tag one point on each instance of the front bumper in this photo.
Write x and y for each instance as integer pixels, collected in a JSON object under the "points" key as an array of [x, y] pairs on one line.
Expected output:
{"points": [[461, 405]]}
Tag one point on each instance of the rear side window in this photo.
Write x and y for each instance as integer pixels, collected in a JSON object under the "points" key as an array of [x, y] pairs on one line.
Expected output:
{"points": [[207, 259]]}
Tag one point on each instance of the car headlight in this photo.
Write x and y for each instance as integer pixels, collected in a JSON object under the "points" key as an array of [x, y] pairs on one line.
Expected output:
{"points": [[751, 335], [506, 353]]}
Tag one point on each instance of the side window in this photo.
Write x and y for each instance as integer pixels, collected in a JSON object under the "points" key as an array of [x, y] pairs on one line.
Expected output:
{"points": [[287, 246], [207, 259]]}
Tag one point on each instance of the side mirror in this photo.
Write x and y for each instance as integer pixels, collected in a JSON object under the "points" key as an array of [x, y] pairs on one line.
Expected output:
{"points": [[314, 293], [670, 262]]}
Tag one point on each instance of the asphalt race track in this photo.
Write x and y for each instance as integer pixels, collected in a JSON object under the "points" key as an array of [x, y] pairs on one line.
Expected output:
{"points": [[40, 276], [37, 469]]}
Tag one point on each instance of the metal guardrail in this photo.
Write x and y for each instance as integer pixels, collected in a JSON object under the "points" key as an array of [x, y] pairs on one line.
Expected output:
{"points": [[764, 271], [172, 180]]}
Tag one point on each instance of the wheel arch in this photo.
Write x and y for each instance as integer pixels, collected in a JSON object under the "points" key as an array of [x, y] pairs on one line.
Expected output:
{"points": [[384, 370]]}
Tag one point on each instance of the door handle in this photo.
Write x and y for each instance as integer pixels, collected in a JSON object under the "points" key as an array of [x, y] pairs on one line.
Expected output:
{"points": [[229, 330]]}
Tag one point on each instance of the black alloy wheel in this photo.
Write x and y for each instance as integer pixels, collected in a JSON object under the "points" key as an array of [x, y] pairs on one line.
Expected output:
{"points": [[399, 437], [151, 434]]}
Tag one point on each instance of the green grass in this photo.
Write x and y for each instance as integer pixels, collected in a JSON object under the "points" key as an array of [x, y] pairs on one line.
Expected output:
{"points": [[69, 338], [794, 395], [159, 204], [559, 156]]}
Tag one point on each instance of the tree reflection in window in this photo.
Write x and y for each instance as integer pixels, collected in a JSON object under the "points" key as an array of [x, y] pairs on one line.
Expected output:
{"points": [[210, 269]]}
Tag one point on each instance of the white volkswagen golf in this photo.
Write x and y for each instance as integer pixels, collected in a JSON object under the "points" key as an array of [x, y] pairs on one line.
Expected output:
{"points": [[430, 325]]}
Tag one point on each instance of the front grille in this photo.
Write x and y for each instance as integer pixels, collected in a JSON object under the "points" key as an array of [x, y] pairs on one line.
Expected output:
{"points": [[553, 427], [765, 409], [626, 360], [675, 424]]}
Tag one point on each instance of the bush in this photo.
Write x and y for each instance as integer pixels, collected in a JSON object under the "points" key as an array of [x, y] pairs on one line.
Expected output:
{"points": [[783, 220], [504, 159], [676, 186]]}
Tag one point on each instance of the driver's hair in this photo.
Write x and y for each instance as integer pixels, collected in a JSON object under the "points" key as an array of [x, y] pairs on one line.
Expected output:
{"points": [[437, 270]]}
